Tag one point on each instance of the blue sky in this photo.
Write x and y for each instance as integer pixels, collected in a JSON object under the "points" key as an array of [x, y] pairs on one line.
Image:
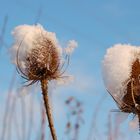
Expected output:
{"points": [[95, 25]]}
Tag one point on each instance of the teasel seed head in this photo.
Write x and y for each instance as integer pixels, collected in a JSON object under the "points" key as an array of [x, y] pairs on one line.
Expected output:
{"points": [[43, 61], [39, 59], [121, 71], [38, 54]]}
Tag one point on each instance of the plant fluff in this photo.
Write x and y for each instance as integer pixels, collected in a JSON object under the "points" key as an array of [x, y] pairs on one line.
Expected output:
{"points": [[121, 73]]}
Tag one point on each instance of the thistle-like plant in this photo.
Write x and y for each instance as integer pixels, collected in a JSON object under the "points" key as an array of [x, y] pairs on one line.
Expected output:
{"points": [[121, 71], [39, 58]]}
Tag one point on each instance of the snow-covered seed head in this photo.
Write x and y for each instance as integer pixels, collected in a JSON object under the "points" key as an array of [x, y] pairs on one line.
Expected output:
{"points": [[117, 67], [132, 94], [121, 72], [43, 61], [36, 53]]}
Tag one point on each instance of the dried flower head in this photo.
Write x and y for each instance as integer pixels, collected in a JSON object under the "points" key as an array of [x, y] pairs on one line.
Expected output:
{"points": [[121, 71], [38, 57], [43, 61], [37, 53]]}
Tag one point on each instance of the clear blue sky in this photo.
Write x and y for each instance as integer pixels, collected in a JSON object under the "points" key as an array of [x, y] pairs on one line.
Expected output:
{"points": [[95, 25]]}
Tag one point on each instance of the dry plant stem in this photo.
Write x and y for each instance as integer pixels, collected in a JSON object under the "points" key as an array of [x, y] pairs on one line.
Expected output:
{"points": [[23, 117], [31, 119], [16, 125], [8, 101], [2, 43], [93, 129], [43, 124], [44, 86], [11, 115]]}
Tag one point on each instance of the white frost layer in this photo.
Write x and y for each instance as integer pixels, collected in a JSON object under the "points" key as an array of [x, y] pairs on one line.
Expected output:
{"points": [[25, 35], [116, 66]]}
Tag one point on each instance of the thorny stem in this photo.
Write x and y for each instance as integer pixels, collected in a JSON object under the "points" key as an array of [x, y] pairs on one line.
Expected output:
{"points": [[44, 86]]}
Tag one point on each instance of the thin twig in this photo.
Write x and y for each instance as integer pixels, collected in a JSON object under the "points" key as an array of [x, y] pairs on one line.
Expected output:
{"points": [[6, 113], [93, 123], [30, 126], [2, 43], [10, 118], [16, 124], [38, 16], [23, 117]]}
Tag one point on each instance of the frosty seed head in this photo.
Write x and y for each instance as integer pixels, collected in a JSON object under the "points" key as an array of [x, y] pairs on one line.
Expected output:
{"points": [[43, 61], [121, 69], [37, 54], [117, 67], [132, 94]]}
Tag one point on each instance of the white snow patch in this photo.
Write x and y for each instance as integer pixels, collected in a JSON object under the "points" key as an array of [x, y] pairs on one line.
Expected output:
{"points": [[24, 36], [116, 67]]}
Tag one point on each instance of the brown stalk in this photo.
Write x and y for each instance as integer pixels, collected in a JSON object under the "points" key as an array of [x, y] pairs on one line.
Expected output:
{"points": [[43, 123], [44, 86]]}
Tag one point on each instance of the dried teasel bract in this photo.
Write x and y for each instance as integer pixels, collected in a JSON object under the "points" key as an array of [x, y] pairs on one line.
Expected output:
{"points": [[121, 75], [39, 57]]}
